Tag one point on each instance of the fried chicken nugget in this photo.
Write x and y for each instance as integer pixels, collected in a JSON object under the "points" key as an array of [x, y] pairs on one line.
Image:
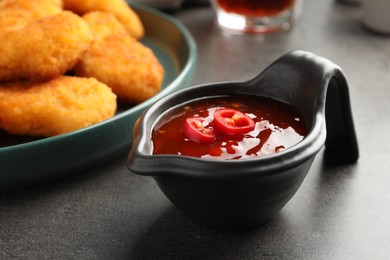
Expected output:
{"points": [[103, 24], [122, 11], [128, 67], [45, 48], [117, 59], [16, 14], [54, 107]]}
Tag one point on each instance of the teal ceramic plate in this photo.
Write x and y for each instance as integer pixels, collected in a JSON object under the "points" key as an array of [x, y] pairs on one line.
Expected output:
{"points": [[25, 160]]}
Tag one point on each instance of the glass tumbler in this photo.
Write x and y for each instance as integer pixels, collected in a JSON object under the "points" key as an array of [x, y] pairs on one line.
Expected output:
{"points": [[256, 16]]}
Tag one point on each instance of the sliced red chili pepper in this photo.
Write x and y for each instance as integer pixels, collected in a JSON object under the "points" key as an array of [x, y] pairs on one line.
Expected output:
{"points": [[198, 130], [232, 122]]}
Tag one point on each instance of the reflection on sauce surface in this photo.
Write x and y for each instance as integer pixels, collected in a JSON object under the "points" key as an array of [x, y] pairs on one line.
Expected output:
{"points": [[278, 126]]}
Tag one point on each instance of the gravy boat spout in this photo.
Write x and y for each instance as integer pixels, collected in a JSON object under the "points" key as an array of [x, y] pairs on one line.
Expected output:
{"points": [[241, 194]]}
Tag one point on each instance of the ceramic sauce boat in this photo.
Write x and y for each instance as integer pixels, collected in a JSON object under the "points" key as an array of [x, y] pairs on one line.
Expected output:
{"points": [[241, 194]]}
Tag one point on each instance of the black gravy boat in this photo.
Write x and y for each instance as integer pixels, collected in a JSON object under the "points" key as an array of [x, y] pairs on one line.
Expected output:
{"points": [[241, 194]]}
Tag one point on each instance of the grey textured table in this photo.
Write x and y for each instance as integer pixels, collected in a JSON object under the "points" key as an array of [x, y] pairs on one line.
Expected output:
{"points": [[338, 213]]}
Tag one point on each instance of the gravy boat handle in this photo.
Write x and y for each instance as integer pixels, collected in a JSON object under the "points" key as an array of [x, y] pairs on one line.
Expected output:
{"points": [[319, 89]]}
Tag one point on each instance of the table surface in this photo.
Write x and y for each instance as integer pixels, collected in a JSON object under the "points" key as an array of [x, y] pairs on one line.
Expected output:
{"points": [[338, 213]]}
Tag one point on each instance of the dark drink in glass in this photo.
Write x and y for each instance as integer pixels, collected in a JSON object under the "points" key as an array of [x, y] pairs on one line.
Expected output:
{"points": [[256, 16]]}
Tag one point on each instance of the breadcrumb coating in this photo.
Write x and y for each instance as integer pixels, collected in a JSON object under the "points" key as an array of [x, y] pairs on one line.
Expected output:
{"points": [[54, 107], [103, 24], [16, 14], [45, 48], [128, 67], [120, 8]]}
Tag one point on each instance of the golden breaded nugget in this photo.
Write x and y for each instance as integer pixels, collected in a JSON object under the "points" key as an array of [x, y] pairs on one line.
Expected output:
{"points": [[128, 67], [103, 24], [45, 48], [54, 107], [122, 11], [16, 14]]}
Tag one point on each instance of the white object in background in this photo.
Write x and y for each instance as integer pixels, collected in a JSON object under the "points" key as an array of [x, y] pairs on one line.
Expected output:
{"points": [[376, 15]]}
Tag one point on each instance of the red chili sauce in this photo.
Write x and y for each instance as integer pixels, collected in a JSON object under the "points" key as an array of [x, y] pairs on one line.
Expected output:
{"points": [[229, 127], [255, 7]]}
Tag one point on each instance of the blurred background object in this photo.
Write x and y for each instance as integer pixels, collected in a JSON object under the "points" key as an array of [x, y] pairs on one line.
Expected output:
{"points": [[376, 15], [255, 16], [168, 4], [161, 4], [350, 2]]}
